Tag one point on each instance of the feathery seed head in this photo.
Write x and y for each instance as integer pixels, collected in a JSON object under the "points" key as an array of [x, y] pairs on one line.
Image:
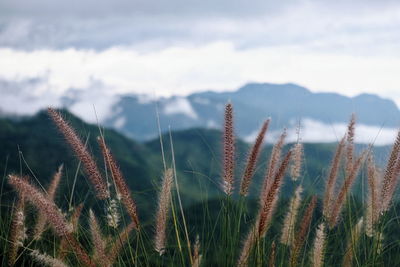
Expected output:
{"points": [[269, 199], [348, 182], [302, 233], [45, 259], [113, 216], [319, 247], [297, 160], [45, 206], [389, 177], [290, 218], [252, 160], [17, 231], [331, 181], [273, 162], [164, 203], [90, 166], [123, 192], [228, 152]]}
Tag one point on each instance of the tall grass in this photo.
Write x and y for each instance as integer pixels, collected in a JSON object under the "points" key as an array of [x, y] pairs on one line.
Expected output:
{"points": [[329, 230]]}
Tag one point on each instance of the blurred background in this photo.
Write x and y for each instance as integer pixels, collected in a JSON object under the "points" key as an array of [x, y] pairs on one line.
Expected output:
{"points": [[313, 62]]}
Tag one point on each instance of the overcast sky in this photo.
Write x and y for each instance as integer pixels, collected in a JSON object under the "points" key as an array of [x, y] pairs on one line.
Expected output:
{"points": [[48, 47]]}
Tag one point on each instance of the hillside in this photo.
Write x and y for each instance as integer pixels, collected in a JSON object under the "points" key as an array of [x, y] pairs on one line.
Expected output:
{"points": [[33, 146], [197, 154]]}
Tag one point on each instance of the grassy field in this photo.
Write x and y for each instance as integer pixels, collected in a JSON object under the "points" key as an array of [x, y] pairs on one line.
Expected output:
{"points": [[233, 227]]}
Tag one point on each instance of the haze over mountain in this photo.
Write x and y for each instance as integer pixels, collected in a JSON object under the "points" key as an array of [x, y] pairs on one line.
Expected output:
{"points": [[322, 116]]}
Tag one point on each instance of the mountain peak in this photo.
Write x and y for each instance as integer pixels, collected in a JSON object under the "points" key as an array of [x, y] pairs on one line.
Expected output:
{"points": [[285, 103]]}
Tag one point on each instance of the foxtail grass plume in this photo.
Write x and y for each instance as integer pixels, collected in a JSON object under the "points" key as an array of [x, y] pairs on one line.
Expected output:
{"points": [[63, 248], [99, 243], [390, 178], [90, 166], [46, 206], [352, 243], [113, 216], [290, 218], [228, 152], [196, 253], [348, 182], [122, 187], [51, 191], [380, 238], [301, 235], [270, 199], [350, 143], [318, 251], [17, 232], [47, 260], [331, 181], [252, 159], [54, 216], [373, 202], [164, 204], [273, 162], [272, 255], [295, 170], [268, 202], [74, 219], [248, 244]]}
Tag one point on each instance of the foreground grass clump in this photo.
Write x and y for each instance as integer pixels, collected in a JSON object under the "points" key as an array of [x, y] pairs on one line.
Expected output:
{"points": [[308, 230]]}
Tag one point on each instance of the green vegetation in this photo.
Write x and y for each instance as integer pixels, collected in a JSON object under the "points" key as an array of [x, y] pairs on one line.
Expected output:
{"points": [[34, 147]]}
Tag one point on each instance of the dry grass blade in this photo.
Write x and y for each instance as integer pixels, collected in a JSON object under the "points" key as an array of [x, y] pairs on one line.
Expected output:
{"points": [[330, 184], [228, 152], [51, 191], [123, 190], [90, 166], [164, 203], [302, 233], [252, 160]]}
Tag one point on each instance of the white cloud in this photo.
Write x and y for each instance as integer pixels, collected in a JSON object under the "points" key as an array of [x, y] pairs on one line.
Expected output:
{"points": [[219, 66], [120, 122], [180, 106], [313, 131]]}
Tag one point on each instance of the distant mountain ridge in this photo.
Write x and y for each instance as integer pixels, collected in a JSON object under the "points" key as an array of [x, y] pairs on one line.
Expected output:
{"points": [[286, 104]]}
